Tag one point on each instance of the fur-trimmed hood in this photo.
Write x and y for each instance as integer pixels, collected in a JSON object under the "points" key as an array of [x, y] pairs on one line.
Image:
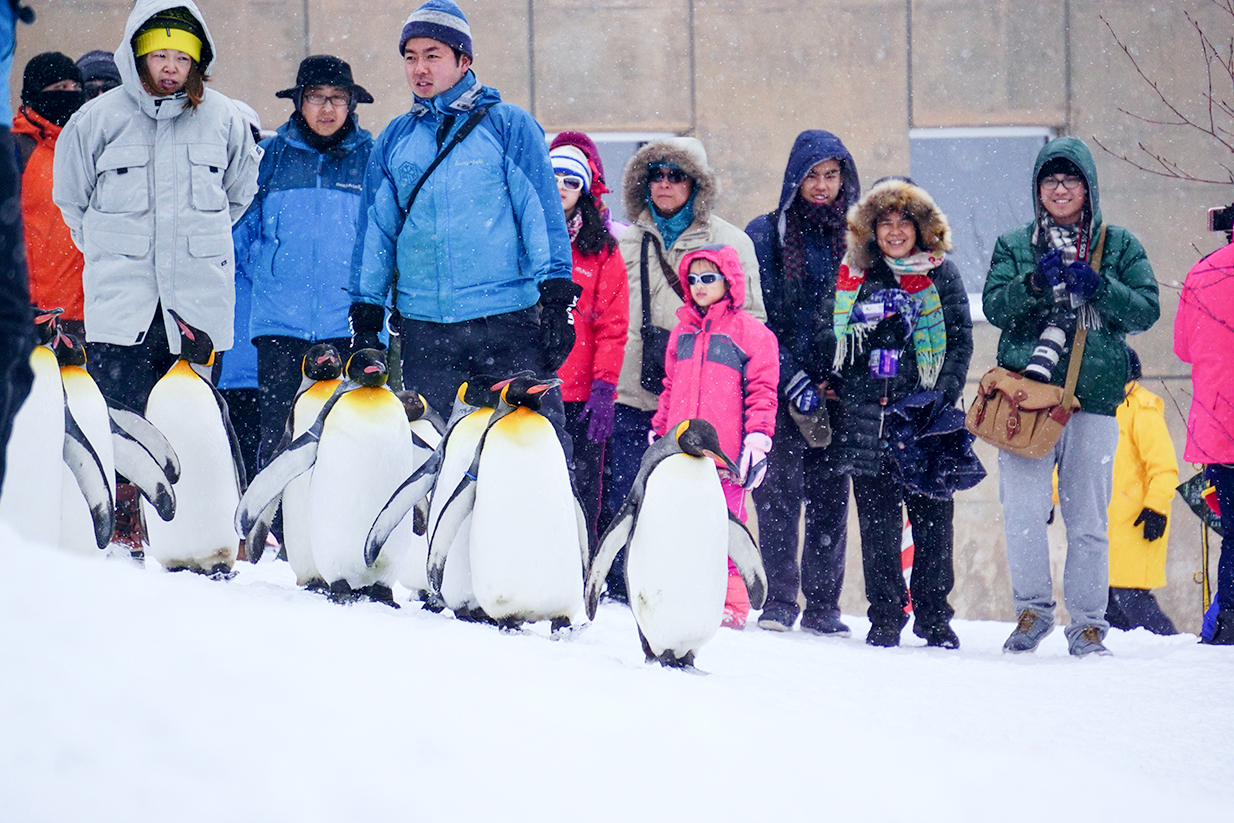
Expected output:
{"points": [[688, 154], [933, 231]]}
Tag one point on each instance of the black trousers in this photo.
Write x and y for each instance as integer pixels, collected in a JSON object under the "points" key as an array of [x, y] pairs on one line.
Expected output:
{"points": [[796, 473], [880, 516], [279, 372], [16, 327]]}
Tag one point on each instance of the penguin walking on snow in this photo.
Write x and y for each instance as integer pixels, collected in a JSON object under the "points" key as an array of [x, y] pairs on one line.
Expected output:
{"points": [[358, 448], [528, 541], [426, 434], [677, 531], [192, 415]]}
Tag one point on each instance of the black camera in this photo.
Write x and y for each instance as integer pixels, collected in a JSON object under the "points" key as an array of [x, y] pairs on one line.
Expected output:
{"points": [[1221, 218]]}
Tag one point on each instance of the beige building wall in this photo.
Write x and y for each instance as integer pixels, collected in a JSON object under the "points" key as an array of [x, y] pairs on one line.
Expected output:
{"points": [[746, 76]]}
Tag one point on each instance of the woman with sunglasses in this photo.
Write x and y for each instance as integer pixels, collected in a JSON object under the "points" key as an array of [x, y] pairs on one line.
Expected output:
{"points": [[669, 192], [590, 372]]}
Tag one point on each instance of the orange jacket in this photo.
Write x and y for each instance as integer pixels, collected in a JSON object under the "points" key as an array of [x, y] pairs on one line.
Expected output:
{"points": [[54, 262]]}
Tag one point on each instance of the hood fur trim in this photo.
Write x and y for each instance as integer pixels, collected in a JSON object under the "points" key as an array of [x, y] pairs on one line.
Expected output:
{"points": [[933, 231], [686, 153]]}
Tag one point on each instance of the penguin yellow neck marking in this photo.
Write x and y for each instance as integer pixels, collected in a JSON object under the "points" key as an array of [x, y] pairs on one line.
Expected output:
{"points": [[322, 389], [183, 369]]}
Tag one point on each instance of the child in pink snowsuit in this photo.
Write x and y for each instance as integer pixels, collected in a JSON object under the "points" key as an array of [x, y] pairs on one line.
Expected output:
{"points": [[722, 365]]}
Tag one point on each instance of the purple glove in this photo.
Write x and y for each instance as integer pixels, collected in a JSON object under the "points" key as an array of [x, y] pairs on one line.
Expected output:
{"points": [[1049, 270], [600, 411], [1081, 280]]}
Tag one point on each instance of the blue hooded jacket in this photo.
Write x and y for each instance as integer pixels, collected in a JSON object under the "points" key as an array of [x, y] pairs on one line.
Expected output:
{"points": [[486, 228], [296, 239], [802, 320]]}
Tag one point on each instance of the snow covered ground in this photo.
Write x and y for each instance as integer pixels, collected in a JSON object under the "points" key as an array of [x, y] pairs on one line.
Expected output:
{"points": [[136, 695]]}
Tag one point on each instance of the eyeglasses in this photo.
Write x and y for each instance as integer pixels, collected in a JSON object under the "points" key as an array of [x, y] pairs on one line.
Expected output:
{"points": [[1068, 182], [664, 173], [338, 101], [569, 182], [706, 278]]}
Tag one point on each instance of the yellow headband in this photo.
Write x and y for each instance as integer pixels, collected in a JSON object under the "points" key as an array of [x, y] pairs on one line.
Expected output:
{"points": [[167, 38]]}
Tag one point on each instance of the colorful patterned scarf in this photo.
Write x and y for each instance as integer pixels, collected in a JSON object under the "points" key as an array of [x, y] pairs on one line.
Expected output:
{"points": [[929, 330], [574, 224]]}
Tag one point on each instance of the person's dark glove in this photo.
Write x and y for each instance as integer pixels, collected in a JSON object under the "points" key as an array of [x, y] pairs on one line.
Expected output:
{"points": [[557, 298], [1049, 271], [1154, 524], [802, 393], [600, 411], [1081, 280], [365, 320]]}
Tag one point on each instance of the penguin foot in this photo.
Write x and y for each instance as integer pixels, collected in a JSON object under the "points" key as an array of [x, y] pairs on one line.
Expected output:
{"points": [[431, 602], [340, 592], [379, 593], [476, 615], [671, 661], [317, 586], [560, 627], [510, 624], [219, 571]]}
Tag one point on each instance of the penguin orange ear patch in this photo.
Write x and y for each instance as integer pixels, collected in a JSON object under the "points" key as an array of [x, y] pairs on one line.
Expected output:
{"points": [[681, 428]]}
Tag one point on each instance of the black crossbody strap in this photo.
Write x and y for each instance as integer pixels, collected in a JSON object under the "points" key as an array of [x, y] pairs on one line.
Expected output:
{"points": [[466, 129], [646, 286]]}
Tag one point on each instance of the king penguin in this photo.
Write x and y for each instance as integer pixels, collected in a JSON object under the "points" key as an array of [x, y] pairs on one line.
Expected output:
{"points": [[188, 410], [528, 541], [322, 370], [677, 531], [426, 434]]}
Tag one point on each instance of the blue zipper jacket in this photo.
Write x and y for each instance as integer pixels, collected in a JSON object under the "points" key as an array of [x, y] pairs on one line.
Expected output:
{"points": [[485, 230], [300, 232]]}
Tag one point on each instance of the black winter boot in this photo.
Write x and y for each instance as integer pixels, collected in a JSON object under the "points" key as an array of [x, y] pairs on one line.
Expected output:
{"points": [[1223, 632]]}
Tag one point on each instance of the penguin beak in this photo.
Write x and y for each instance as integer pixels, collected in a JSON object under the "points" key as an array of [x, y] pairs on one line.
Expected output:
{"points": [[540, 388], [722, 460]]}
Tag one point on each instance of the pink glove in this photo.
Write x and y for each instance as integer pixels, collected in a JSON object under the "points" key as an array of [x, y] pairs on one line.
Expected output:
{"points": [[652, 437], [753, 463]]}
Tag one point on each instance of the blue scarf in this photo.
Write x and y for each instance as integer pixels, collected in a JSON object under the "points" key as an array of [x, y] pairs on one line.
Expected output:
{"points": [[671, 227]]}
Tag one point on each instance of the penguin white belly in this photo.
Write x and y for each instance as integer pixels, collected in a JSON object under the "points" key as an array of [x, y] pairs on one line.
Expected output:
{"points": [[85, 402], [676, 569], [415, 570], [201, 535], [526, 562], [31, 497], [363, 456], [297, 537], [456, 585]]}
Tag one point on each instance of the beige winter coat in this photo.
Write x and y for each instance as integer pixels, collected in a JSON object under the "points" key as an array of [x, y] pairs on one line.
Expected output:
{"points": [[150, 189], [688, 154]]}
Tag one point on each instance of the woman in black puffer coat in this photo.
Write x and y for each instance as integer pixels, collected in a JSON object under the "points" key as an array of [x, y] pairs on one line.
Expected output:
{"points": [[901, 327]]}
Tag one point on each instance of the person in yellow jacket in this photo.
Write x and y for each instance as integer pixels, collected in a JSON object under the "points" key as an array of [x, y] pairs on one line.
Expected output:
{"points": [[1145, 476]]}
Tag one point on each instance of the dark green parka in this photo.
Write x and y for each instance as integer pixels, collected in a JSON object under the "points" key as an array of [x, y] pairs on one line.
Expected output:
{"points": [[1126, 299]]}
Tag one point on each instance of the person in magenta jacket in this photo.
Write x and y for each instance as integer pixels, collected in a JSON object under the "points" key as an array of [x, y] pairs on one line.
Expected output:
{"points": [[603, 311], [1203, 337], [722, 365]]}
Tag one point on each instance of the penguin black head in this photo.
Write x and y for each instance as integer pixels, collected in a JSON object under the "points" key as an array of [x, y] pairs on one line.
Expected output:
{"points": [[698, 438], [478, 391], [368, 368], [413, 403], [195, 345], [47, 323], [69, 350], [526, 390], [322, 362]]}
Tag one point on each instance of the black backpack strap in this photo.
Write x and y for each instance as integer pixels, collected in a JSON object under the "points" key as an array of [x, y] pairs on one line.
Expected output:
{"points": [[646, 286], [466, 129]]}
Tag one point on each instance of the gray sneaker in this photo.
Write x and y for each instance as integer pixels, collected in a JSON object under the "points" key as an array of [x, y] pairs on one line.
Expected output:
{"points": [[1089, 642], [1030, 629]]}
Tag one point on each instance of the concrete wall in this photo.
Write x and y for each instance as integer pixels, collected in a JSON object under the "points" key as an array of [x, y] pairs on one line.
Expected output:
{"points": [[746, 76]]}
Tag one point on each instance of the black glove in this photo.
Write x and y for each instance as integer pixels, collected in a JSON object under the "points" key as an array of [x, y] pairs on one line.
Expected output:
{"points": [[557, 298], [365, 320], [1154, 524]]}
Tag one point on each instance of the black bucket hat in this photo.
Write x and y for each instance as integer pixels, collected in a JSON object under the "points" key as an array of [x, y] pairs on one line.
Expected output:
{"points": [[325, 70]]}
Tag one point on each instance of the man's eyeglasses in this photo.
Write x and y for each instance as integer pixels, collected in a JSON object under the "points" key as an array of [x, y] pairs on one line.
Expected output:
{"points": [[338, 101], [1067, 182], [671, 175], [706, 278], [569, 182]]}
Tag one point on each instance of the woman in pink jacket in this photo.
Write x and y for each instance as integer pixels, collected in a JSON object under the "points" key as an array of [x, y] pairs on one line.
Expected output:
{"points": [[1204, 337], [722, 365]]}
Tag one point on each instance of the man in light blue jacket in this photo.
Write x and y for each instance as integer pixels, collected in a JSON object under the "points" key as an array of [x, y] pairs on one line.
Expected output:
{"points": [[485, 239]]}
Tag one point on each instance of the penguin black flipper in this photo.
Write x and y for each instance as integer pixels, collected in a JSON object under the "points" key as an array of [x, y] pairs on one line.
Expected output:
{"points": [[143, 469], [267, 487], [414, 489], [255, 540], [84, 462], [456, 511], [744, 553], [237, 456], [616, 537], [138, 428]]}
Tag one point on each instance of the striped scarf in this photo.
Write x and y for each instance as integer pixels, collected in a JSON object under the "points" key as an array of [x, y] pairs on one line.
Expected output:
{"points": [[929, 331]]}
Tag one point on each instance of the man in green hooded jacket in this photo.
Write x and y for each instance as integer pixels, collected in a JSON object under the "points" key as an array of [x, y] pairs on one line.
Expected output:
{"points": [[1045, 280]]}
